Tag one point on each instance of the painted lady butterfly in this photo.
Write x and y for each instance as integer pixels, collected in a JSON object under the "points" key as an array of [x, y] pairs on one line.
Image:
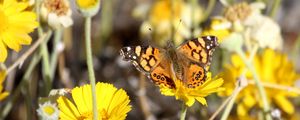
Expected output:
{"points": [[189, 62]]}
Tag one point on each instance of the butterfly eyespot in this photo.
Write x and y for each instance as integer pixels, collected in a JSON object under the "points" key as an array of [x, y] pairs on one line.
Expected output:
{"points": [[198, 75], [154, 75], [162, 78], [158, 76]]}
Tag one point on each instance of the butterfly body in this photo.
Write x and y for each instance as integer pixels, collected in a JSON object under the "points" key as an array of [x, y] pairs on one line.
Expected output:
{"points": [[189, 62]]}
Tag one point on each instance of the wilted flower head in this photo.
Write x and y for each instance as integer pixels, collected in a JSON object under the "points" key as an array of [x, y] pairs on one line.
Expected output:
{"points": [[263, 29], [237, 12], [57, 13], [273, 68], [247, 20], [112, 104]]}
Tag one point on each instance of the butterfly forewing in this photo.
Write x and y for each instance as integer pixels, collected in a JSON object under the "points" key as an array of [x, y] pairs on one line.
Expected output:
{"points": [[199, 49], [148, 59]]}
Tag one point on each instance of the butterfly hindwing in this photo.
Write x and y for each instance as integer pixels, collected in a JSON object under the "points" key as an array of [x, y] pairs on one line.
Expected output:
{"points": [[196, 75], [161, 76]]}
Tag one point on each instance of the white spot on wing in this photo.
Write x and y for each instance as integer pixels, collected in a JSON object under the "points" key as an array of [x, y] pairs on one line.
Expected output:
{"points": [[134, 57], [128, 48], [208, 37]]}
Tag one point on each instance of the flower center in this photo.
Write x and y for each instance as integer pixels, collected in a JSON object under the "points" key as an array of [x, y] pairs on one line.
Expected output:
{"points": [[238, 11], [86, 3], [3, 21], [57, 6], [89, 115], [49, 110]]}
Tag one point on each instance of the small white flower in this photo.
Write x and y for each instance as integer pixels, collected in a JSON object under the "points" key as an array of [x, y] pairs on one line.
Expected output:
{"points": [[48, 111], [263, 30], [57, 13]]}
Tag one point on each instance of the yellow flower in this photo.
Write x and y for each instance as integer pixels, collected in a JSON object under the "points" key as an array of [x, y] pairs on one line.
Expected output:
{"points": [[272, 67], [219, 27], [2, 78], [87, 3], [161, 19], [15, 24], [88, 7], [112, 104], [188, 95]]}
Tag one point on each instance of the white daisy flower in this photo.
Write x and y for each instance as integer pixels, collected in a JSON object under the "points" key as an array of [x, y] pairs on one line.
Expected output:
{"points": [[48, 111]]}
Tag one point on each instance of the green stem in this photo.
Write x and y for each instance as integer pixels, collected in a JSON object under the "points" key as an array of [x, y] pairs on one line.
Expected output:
{"points": [[296, 49], [261, 90], [54, 55], [183, 111], [46, 66], [238, 88], [230, 103], [8, 106], [28, 100], [45, 53], [211, 4], [90, 64], [275, 7]]}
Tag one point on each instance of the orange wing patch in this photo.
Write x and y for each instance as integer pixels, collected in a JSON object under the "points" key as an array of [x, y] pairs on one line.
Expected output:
{"points": [[161, 76], [194, 50], [144, 58], [196, 76]]}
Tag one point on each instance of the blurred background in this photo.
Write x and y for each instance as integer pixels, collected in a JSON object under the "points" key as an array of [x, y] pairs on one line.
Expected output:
{"points": [[120, 23]]}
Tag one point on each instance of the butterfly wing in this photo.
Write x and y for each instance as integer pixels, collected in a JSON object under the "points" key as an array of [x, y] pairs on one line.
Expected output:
{"points": [[148, 59], [199, 51]]}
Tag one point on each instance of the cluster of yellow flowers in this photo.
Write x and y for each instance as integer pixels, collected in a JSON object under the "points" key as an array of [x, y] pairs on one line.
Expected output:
{"points": [[243, 29]]}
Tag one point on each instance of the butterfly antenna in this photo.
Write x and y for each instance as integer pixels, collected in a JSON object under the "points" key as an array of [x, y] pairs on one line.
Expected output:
{"points": [[177, 27]]}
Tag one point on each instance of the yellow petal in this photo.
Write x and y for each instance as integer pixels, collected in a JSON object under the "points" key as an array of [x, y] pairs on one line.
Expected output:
{"points": [[249, 101], [242, 110], [68, 111], [10, 41], [189, 101], [79, 94], [284, 104], [3, 51], [201, 100], [3, 95]]}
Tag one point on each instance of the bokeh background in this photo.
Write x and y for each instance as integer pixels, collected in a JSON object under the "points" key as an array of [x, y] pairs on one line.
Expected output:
{"points": [[114, 27]]}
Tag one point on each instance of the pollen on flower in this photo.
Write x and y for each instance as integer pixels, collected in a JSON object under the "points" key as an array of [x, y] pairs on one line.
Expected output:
{"points": [[238, 11], [57, 6], [48, 111]]}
